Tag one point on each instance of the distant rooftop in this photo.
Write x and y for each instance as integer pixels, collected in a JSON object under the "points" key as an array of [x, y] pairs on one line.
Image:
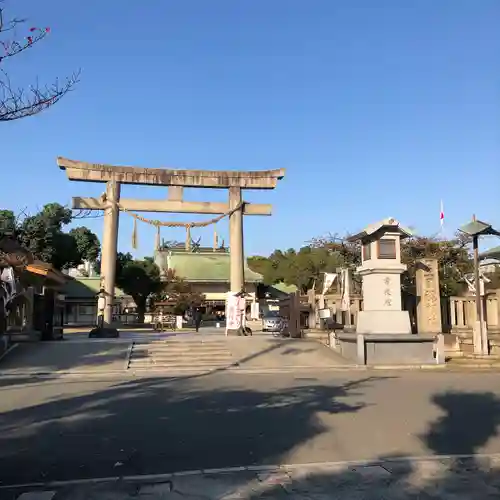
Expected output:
{"points": [[492, 253], [85, 288]]}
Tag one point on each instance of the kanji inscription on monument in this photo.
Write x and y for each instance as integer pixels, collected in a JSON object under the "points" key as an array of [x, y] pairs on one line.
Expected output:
{"points": [[387, 292], [429, 303]]}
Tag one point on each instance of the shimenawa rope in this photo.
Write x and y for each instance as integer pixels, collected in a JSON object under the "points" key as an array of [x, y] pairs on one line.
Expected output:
{"points": [[157, 223]]}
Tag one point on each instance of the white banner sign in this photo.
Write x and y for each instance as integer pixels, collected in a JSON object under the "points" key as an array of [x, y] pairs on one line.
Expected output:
{"points": [[346, 290], [255, 310], [8, 285], [328, 282], [235, 308]]}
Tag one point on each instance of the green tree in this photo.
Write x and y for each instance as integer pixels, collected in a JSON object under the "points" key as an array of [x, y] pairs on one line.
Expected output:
{"points": [[8, 223], [87, 243], [139, 279], [348, 253], [42, 234], [263, 266], [179, 292], [453, 256], [303, 268]]}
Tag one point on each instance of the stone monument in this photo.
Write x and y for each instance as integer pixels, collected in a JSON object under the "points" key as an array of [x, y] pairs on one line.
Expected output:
{"points": [[429, 300], [381, 271], [383, 330]]}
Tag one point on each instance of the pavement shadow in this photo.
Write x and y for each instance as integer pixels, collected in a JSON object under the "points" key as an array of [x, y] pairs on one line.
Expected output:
{"points": [[50, 357], [152, 426], [458, 471]]}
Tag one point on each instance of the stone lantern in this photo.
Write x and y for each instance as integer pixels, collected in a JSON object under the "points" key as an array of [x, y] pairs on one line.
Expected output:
{"points": [[381, 271]]}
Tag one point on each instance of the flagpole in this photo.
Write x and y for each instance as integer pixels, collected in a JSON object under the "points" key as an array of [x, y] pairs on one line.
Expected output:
{"points": [[441, 219]]}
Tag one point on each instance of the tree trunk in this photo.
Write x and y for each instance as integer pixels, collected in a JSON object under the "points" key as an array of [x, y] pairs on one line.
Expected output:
{"points": [[141, 311], [3, 318], [140, 302]]}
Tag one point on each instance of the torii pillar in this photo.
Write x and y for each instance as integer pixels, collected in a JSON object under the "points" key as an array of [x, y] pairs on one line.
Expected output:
{"points": [[176, 180], [110, 247], [236, 244]]}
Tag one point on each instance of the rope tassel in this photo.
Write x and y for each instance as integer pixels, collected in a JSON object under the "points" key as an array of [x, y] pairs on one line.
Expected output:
{"points": [[188, 237], [188, 225], [182, 224], [134, 235], [216, 238]]}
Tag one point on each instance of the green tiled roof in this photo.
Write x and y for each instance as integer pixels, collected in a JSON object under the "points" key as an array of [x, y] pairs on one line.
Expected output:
{"points": [[202, 267], [85, 288]]}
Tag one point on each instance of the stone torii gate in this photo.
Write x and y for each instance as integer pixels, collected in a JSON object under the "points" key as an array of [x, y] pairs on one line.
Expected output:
{"points": [[176, 180]]}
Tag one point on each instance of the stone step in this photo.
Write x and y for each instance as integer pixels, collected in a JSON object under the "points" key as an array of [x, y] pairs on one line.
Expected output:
{"points": [[180, 347], [175, 341], [181, 352], [170, 355], [184, 359], [474, 362], [178, 356], [152, 348], [177, 369], [174, 365]]}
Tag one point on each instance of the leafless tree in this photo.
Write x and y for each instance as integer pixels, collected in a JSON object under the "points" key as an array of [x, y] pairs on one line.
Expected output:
{"points": [[16, 37]]}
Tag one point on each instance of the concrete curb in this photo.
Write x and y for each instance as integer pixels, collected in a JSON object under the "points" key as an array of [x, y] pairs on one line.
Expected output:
{"points": [[171, 374], [233, 370], [155, 478]]}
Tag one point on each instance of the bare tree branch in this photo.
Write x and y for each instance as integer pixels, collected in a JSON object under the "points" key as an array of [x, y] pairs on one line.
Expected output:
{"points": [[18, 102]]}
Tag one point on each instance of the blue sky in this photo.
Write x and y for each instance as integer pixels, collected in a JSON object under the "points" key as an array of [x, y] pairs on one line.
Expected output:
{"points": [[375, 108]]}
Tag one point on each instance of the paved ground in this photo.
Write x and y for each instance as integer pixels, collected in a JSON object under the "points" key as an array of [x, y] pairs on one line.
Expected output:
{"points": [[443, 479], [69, 428], [78, 354]]}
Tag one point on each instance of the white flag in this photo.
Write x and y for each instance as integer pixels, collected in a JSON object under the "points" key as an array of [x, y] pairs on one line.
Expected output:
{"points": [[346, 290], [328, 282]]}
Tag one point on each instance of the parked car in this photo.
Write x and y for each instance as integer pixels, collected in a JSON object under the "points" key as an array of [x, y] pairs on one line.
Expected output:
{"points": [[272, 322]]}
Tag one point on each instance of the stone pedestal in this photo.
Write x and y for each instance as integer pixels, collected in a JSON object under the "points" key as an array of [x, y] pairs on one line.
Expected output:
{"points": [[382, 312], [429, 301], [383, 322], [388, 349]]}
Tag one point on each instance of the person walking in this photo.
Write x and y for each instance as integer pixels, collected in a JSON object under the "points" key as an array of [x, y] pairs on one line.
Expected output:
{"points": [[197, 319]]}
